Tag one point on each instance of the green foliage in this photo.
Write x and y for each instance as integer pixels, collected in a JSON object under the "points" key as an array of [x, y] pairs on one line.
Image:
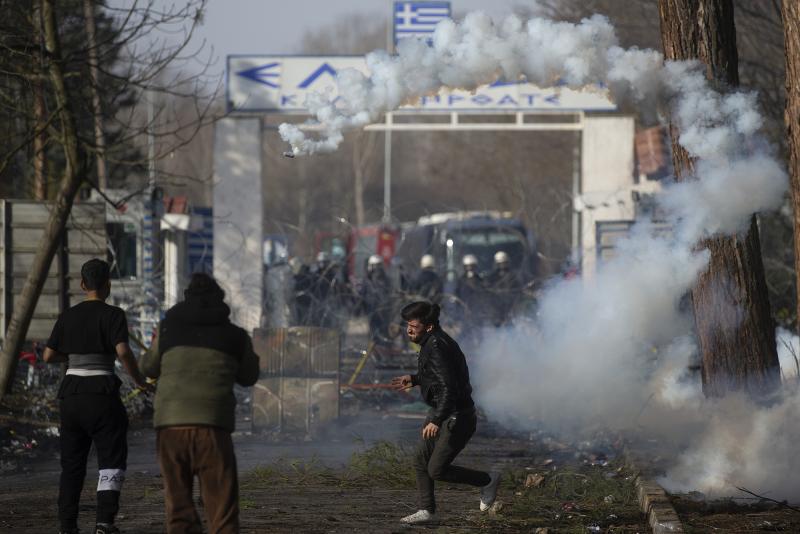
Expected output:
{"points": [[384, 464], [246, 504]]}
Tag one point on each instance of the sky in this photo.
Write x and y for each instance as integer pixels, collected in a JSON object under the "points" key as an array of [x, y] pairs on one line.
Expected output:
{"points": [[277, 27]]}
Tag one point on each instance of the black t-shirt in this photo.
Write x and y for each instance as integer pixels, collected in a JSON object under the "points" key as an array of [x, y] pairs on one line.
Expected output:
{"points": [[91, 327]]}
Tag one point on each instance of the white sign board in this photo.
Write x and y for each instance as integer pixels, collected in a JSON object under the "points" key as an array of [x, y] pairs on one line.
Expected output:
{"points": [[279, 84]]}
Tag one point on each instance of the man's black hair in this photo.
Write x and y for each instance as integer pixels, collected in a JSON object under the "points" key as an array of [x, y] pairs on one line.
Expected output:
{"points": [[203, 285], [95, 274], [423, 311]]}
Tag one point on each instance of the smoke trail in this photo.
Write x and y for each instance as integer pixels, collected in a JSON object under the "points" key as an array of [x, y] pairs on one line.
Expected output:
{"points": [[472, 53], [605, 347]]}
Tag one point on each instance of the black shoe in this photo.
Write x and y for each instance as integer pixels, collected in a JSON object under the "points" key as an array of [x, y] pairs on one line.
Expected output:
{"points": [[105, 528]]}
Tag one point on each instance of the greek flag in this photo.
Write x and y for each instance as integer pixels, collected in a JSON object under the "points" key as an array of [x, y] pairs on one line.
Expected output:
{"points": [[418, 19]]}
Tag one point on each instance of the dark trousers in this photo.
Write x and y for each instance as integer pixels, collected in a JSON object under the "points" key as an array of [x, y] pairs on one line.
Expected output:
{"points": [[87, 419], [434, 457], [205, 452]]}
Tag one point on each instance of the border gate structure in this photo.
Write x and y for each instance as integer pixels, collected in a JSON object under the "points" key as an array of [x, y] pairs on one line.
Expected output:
{"points": [[605, 185]]}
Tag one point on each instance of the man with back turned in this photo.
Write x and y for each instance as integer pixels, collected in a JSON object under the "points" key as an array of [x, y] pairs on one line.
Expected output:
{"points": [[89, 337], [197, 356], [443, 378]]}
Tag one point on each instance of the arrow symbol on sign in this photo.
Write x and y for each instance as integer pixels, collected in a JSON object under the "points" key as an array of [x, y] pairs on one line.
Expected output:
{"points": [[261, 74], [316, 74]]}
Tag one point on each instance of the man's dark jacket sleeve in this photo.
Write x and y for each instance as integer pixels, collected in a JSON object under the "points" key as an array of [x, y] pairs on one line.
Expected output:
{"points": [[247, 374]]}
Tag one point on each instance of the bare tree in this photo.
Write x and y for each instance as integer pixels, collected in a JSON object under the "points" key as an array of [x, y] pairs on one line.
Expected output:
{"points": [[115, 61], [734, 327], [99, 136], [39, 120], [23, 312]]}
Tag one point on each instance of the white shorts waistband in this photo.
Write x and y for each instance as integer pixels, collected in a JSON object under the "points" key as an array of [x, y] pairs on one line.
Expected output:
{"points": [[89, 372]]}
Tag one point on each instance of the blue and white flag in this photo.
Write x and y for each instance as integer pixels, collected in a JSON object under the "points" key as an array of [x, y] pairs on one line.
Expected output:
{"points": [[418, 19]]}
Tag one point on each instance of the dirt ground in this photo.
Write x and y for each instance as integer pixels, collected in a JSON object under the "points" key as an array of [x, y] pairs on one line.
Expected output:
{"points": [[728, 516], [356, 475], [359, 479]]}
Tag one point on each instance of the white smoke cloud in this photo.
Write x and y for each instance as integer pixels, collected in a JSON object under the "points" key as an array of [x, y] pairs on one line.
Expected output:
{"points": [[591, 362], [741, 443], [607, 347], [744, 445]]}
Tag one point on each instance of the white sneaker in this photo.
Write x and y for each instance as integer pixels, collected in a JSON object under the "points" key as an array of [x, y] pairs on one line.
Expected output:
{"points": [[419, 517], [489, 492]]}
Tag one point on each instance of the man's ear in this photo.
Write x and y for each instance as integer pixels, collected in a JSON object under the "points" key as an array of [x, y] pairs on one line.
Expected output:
{"points": [[429, 328], [83, 286]]}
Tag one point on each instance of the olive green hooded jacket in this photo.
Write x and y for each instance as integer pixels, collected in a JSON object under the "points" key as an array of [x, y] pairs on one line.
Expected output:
{"points": [[195, 382]]}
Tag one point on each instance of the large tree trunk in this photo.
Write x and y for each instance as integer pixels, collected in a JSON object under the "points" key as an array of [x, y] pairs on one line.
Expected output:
{"points": [[790, 13], [735, 331], [24, 306]]}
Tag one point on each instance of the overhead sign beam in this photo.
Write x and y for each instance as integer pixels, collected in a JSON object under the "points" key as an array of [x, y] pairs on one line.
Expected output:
{"points": [[455, 124]]}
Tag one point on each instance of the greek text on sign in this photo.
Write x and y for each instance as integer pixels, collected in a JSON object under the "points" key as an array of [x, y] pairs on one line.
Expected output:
{"points": [[279, 84]]}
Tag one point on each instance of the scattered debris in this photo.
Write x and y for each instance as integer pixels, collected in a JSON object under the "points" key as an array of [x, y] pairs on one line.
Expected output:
{"points": [[534, 480], [762, 497], [734, 514], [496, 508]]}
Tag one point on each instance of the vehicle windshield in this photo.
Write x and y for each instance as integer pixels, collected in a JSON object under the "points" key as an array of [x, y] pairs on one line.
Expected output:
{"points": [[484, 242]]}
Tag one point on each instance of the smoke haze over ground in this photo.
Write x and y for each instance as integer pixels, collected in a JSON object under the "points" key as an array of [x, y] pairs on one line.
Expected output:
{"points": [[616, 344]]}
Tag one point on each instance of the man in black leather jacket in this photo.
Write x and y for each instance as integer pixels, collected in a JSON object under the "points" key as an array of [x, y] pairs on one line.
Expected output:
{"points": [[443, 378]]}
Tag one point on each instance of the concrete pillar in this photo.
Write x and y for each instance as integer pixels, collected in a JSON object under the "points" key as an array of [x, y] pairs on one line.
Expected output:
{"points": [[607, 168], [174, 226], [238, 218]]}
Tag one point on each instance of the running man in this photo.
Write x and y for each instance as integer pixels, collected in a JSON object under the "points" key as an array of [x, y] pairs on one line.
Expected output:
{"points": [[443, 378]]}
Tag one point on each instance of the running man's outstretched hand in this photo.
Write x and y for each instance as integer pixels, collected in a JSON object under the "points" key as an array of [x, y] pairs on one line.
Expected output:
{"points": [[402, 383]]}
